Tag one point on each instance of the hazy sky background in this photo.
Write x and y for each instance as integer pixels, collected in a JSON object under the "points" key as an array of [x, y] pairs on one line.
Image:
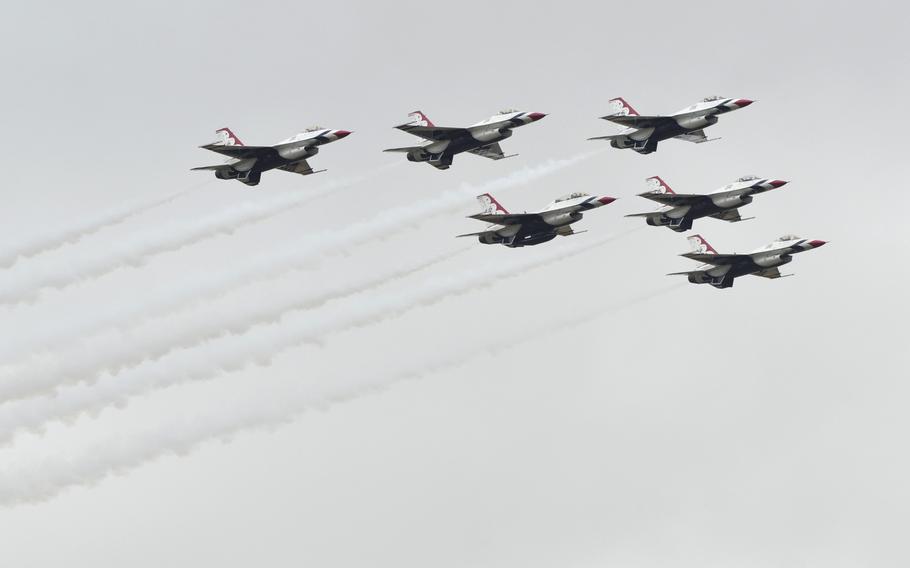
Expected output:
{"points": [[763, 425]]}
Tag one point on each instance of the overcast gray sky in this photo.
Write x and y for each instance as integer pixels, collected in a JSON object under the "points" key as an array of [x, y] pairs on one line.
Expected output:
{"points": [[451, 416]]}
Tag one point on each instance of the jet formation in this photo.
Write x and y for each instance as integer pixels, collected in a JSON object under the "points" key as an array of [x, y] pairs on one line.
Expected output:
{"points": [[640, 133]]}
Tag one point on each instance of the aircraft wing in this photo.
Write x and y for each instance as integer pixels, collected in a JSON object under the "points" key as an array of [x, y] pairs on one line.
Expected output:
{"points": [[433, 132], [507, 218], [492, 151], [242, 152], [696, 136], [731, 215], [301, 167], [674, 199], [718, 259], [636, 121]]}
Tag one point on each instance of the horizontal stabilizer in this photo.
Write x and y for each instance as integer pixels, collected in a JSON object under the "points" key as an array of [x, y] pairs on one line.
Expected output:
{"points": [[610, 137], [478, 234], [404, 149], [212, 168]]}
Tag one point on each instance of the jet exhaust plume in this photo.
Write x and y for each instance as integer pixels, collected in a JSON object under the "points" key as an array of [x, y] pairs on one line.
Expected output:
{"points": [[291, 255], [84, 227], [275, 333], [120, 453], [88, 360], [139, 248]]}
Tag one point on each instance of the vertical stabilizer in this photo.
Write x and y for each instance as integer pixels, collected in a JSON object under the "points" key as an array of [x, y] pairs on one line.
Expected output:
{"points": [[490, 206]]}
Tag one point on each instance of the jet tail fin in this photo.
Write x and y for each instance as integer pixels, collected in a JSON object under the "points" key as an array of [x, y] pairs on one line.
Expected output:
{"points": [[700, 245], [657, 185], [620, 106], [490, 206], [418, 118], [227, 138]]}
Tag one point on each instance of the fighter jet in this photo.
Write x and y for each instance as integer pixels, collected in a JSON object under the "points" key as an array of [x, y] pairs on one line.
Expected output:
{"points": [[719, 270], [722, 204], [527, 229], [247, 163], [481, 139], [642, 133]]}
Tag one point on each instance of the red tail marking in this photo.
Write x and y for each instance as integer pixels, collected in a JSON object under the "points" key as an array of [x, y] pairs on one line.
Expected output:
{"points": [[702, 243], [489, 202], [662, 184], [230, 138], [422, 117], [625, 105]]}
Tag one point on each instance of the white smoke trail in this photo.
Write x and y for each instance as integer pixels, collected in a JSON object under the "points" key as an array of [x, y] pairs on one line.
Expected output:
{"points": [[290, 255], [81, 229], [274, 335], [120, 454], [140, 247], [88, 360]]}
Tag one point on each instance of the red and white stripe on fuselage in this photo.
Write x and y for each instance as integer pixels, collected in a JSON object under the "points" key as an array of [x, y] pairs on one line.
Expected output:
{"points": [[516, 118], [321, 136]]}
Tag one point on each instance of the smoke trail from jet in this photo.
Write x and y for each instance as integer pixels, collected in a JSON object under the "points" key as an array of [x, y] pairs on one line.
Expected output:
{"points": [[72, 234], [290, 255], [140, 247], [265, 410], [275, 333], [88, 360]]}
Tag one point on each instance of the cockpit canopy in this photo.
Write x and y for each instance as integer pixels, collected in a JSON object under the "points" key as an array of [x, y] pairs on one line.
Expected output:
{"points": [[508, 111], [712, 99], [789, 237], [748, 178], [575, 195], [314, 128]]}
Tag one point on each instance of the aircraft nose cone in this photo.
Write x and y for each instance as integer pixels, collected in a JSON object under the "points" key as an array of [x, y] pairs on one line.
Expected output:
{"points": [[342, 133], [535, 116], [740, 103], [606, 200], [816, 243], [778, 183]]}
